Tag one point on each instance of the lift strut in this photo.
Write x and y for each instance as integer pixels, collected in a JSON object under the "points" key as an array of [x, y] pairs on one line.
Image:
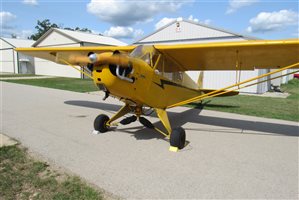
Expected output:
{"points": [[233, 87]]}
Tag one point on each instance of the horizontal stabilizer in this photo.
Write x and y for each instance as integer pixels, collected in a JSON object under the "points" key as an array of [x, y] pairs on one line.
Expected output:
{"points": [[232, 93]]}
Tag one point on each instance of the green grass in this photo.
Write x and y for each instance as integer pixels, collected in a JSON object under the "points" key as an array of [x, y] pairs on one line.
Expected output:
{"points": [[277, 108], [72, 84], [21, 177], [16, 75]]}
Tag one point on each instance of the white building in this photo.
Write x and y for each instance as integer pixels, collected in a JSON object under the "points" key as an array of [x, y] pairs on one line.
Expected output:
{"points": [[12, 61], [66, 38], [186, 32]]}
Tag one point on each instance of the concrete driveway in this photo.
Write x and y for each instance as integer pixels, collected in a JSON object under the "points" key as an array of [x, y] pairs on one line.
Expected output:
{"points": [[229, 156]]}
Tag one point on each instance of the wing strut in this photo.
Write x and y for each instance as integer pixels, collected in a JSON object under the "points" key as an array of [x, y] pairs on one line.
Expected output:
{"points": [[81, 71], [238, 68], [229, 88], [241, 87]]}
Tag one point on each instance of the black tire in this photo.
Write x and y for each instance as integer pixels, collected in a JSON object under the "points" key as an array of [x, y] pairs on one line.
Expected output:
{"points": [[100, 123], [178, 138]]}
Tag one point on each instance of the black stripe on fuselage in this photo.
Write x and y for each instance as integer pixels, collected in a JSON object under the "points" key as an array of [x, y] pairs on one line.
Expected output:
{"points": [[166, 82]]}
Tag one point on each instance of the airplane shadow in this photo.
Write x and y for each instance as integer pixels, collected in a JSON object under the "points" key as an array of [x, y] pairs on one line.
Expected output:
{"points": [[207, 104], [193, 116]]}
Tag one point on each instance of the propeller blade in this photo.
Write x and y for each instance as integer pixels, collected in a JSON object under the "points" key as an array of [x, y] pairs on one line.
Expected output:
{"points": [[109, 58], [94, 58], [79, 59], [119, 59]]}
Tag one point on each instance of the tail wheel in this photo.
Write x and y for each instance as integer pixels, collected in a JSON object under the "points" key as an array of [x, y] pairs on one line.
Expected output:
{"points": [[100, 123], [178, 138]]}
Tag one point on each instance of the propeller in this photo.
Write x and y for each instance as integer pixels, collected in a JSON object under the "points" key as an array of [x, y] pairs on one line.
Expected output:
{"points": [[119, 64], [109, 58], [102, 58], [75, 59], [90, 65]]}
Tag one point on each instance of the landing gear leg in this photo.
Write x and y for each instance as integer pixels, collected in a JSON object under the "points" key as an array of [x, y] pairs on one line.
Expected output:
{"points": [[124, 110], [177, 136], [102, 122]]}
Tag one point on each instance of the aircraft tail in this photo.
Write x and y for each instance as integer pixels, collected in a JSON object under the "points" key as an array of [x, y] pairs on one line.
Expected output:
{"points": [[206, 91], [200, 80]]}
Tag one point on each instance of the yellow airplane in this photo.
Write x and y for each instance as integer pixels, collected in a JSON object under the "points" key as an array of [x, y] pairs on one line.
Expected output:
{"points": [[153, 76]]}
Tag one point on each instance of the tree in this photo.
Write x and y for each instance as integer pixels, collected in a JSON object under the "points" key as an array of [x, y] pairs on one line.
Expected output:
{"points": [[83, 29], [78, 29], [42, 27]]}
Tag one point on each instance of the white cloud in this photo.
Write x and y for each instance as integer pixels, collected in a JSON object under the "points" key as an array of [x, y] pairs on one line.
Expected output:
{"points": [[192, 19], [30, 2], [207, 21], [164, 21], [234, 5], [123, 32], [138, 33], [96, 32], [6, 18], [8, 29], [24, 34], [273, 21], [127, 13]]}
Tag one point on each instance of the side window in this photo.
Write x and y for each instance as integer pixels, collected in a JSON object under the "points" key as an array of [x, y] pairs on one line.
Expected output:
{"points": [[168, 69], [178, 76], [146, 58]]}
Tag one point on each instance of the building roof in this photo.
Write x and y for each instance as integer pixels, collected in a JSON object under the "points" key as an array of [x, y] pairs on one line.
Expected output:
{"points": [[79, 37], [187, 31], [18, 42]]}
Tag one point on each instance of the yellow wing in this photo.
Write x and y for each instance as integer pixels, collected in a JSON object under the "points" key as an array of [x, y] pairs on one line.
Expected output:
{"points": [[224, 56], [69, 53], [212, 56]]}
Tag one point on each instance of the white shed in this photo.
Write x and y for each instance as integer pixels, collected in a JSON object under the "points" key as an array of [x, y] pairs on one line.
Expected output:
{"points": [[12, 61], [66, 38], [187, 32]]}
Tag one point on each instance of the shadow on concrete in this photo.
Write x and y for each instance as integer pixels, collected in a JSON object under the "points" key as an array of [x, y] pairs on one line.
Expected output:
{"points": [[207, 104], [95, 105], [192, 116]]}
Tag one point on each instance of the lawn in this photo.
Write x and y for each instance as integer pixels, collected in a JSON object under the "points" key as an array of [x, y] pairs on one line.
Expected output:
{"points": [[278, 108], [71, 84], [16, 75], [22, 177]]}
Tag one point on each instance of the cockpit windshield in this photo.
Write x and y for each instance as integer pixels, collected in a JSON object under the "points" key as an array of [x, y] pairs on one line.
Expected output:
{"points": [[163, 65], [145, 53]]}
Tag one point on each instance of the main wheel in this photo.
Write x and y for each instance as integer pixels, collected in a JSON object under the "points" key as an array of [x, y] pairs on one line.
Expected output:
{"points": [[178, 138], [100, 123]]}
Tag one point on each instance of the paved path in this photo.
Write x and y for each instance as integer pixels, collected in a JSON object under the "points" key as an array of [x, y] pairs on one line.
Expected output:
{"points": [[229, 155]]}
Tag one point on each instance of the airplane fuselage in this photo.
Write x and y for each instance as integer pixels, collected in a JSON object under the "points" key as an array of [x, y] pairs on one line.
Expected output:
{"points": [[147, 88]]}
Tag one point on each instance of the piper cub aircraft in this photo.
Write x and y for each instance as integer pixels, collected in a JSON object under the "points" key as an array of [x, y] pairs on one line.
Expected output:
{"points": [[153, 76]]}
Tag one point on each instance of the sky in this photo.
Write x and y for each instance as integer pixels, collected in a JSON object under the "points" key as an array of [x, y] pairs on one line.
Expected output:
{"points": [[130, 20]]}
